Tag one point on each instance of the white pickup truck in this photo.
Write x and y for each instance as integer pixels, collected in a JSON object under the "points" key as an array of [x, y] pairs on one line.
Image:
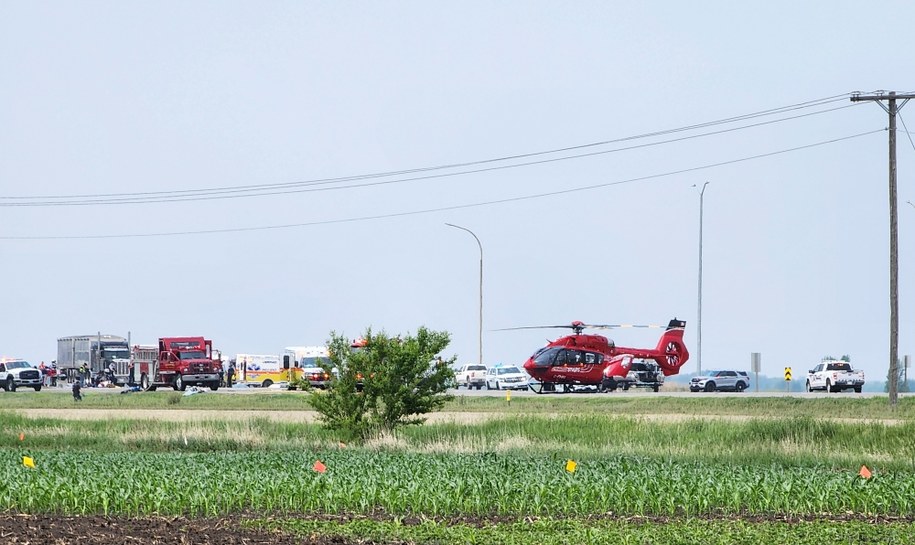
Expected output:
{"points": [[16, 373], [834, 376], [471, 376]]}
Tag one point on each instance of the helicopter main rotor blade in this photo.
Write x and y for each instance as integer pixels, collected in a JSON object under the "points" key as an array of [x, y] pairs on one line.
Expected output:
{"points": [[579, 326], [622, 326], [566, 326]]}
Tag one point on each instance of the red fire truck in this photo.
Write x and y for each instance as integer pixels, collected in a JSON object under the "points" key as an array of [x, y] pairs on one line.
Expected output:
{"points": [[177, 362]]}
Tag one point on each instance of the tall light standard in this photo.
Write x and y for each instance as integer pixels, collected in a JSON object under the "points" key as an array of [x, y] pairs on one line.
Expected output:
{"points": [[699, 324], [481, 283]]}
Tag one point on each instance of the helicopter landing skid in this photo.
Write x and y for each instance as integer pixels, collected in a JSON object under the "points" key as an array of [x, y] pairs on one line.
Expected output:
{"points": [[550, 387]]}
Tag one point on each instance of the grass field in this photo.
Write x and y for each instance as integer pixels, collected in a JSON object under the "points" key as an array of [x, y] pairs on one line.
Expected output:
{"points": [[739, 470], [832, 407]]}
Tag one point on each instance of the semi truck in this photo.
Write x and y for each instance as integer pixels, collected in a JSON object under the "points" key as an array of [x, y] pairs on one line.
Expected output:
{"points": [[97, 352], [176, 362]]}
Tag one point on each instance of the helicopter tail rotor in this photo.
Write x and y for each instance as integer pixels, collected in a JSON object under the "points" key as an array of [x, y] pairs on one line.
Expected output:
{"points": [[671, 345]]}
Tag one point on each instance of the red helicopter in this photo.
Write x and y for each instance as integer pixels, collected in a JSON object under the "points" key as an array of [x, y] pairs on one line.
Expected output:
{"points": [[595, 360]]}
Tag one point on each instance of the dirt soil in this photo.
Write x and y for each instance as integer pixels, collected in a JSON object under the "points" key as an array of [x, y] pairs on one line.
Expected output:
{"points": [[96, 530], [18, 529]]}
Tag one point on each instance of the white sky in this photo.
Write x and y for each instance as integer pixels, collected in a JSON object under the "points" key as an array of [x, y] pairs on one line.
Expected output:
{"points": [[130, 97]]}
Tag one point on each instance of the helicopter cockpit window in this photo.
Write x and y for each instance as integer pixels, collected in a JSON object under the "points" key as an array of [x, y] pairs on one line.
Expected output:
{"points": [[545, 358], [570, 357], [592, 358]]}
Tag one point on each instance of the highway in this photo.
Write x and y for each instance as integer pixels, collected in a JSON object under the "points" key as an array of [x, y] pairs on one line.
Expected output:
{"points": [[633, 393]]}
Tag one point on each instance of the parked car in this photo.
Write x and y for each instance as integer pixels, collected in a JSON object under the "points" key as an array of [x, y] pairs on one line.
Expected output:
{"points": [[725, 380], [471, 376], [506, 377], [834, 376]]}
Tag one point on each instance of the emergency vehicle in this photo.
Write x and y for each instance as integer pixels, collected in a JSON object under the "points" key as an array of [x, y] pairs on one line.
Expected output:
{"points": [[262, 370]]}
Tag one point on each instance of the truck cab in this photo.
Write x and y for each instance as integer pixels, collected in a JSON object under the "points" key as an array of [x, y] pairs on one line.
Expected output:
{"points": [[177, 362]]}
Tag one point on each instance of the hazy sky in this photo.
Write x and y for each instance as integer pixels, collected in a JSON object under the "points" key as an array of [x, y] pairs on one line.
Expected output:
{"points": [[134, 98]]}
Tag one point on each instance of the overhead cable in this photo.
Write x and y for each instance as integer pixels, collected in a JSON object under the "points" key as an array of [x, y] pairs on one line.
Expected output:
{"points": [[171, 195], [452, 207], [327, 185]]}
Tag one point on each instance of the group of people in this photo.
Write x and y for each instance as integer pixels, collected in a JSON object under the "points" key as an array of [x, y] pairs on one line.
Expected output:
{"points": [[48, 373], [105, 377], [84, 377]]}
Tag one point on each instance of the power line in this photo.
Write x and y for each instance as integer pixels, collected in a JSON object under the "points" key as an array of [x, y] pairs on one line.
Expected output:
{"points": [[324, 185], [771, 111], [452, 207]]}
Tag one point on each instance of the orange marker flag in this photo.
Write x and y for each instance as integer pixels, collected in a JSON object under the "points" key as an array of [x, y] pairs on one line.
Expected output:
{"points": [[319, 467], [865, 473], [22, 436], [28, 461], [570, 466]]}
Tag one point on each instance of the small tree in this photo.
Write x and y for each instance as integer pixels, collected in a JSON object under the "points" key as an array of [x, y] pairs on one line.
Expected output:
{"points": [[845, 357], [902, 383], [387, 383], [342, 407]]}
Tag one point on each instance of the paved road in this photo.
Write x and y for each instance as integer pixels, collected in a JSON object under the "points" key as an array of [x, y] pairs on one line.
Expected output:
{"points": [[671, 393], [514, 393]]}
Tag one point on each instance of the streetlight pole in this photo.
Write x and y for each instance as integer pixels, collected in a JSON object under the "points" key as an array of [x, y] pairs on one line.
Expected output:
{"points": [[699, 324], [481, 283]]}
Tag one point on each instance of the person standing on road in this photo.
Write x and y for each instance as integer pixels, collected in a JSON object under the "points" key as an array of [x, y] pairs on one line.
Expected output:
{"points": [[230, 374]]}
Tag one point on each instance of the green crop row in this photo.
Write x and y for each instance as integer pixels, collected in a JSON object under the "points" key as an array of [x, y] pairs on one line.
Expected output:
{"points": [[365, 481]]}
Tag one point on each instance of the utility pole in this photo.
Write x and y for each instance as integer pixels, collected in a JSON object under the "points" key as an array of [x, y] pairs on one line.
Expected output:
{"points": [[892, 109]]}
